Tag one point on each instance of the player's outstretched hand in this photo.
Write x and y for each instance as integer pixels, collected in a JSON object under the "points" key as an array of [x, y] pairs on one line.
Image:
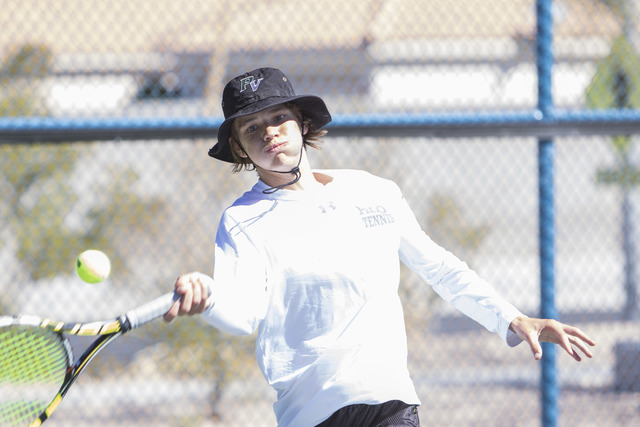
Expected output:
{"points": [[194, 288], [534, 331]]}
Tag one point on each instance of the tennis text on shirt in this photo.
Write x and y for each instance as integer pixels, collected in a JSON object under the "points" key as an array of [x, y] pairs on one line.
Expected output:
{"points": [[375, 216]]}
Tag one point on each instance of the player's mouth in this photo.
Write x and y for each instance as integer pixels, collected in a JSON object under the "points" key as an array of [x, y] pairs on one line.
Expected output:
{"points": [[274, 148]]}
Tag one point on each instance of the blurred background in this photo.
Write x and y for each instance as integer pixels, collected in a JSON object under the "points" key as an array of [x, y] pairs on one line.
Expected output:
{"points": [[108, 110]]}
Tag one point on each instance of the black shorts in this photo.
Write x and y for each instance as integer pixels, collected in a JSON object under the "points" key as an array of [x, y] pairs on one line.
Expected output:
{"points": [[389, 414]]}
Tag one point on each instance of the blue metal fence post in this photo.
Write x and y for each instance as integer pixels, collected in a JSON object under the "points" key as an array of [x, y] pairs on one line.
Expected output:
{"points": [[544, 63]]}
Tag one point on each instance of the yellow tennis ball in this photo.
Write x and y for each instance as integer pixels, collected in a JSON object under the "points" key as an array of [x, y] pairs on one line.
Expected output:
{"points": [[93, 266]]}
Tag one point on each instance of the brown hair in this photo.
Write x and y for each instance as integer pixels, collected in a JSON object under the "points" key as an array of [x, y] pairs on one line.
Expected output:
{"points": [[311, 139]]}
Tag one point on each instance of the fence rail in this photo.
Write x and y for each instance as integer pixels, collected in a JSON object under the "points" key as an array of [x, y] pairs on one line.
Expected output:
{"points": [[558, 123]]}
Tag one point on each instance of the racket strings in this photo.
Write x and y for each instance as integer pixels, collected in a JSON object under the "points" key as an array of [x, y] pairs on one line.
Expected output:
{"points": [[34, 364]]}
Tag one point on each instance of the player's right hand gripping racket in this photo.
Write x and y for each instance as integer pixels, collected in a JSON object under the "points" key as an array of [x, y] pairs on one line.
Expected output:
{"points": [[37, 366]]}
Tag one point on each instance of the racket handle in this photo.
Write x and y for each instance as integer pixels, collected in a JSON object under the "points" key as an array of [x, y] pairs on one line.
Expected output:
{"points": [[151, 310]]}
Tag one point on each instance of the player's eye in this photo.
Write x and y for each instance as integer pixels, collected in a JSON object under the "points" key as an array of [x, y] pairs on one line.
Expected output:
{"points": [[280, 117]]}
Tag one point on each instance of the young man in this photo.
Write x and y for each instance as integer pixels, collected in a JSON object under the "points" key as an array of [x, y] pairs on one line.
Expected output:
{"points": [[311, 258]]}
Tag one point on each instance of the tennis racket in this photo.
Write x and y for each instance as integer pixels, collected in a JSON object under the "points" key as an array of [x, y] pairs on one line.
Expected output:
{"points": [[37, 366]]}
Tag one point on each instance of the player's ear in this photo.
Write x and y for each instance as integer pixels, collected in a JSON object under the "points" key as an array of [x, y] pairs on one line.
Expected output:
{"points": [[305, 128], [237, 148]]}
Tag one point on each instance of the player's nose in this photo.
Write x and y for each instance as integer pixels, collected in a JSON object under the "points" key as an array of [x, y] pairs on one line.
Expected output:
{"points": [[271, 132]]}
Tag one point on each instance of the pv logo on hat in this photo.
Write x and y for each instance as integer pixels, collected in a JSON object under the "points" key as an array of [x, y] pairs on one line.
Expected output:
{"points": [[250, 81]]}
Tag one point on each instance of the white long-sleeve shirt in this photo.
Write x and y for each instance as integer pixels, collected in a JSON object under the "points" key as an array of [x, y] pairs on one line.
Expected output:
{"points": [[317, 273]]}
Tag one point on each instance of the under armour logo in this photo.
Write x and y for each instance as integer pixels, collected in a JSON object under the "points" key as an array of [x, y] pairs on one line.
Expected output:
{"points": [[250, 81], [324, 209]]}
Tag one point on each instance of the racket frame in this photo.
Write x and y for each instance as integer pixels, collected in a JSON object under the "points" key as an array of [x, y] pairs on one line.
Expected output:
{"points": [[106, 331]]}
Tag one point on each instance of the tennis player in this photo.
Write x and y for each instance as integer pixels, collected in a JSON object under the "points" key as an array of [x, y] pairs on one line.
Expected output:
{"points": [[310, 259]]}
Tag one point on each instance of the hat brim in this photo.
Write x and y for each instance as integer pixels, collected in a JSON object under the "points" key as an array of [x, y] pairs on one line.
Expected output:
{"points": [[312, 107]]}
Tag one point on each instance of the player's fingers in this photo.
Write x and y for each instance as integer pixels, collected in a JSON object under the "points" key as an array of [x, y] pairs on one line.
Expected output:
{"points": [[582, 345], [187, 298], [534, 344], [558, 333], [570, 337], [200, 294], [578, 333], [584, 348], [182, 283], [194, 289], [531, 338], [563, 340], [204, 284], [196, 300], [206, 291], [571, 351], [172, 313], [528, 330]]}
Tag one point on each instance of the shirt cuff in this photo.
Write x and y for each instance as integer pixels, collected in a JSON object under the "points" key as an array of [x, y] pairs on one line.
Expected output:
{"points": [[512, 339]]}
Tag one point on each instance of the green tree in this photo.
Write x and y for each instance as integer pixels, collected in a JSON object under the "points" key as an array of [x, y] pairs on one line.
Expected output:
{"points": [[616, 84], [36, 184], [18, 73]]}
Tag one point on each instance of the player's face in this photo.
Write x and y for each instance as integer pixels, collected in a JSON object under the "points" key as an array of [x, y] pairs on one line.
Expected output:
{"points": [[271, 138]]}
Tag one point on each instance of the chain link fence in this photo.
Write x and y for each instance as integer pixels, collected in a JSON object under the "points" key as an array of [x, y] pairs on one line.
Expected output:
{"points": [[152, 203]]}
